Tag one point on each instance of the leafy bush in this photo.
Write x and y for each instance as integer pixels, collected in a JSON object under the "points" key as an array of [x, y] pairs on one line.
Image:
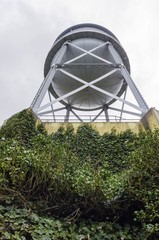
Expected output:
{"points": [[58, 177], [77, 185], [22, 224], [21, 127], [113, 148], [144, 181]]}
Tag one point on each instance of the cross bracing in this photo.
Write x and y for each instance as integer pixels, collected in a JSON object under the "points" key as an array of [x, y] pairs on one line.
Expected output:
{"points": [[72, 98]]}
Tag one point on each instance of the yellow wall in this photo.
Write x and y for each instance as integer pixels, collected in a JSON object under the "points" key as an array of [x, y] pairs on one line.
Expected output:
{"points": [[150, 120], [101, 127]]}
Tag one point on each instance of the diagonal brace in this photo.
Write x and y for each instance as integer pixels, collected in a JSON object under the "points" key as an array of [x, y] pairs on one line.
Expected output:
{"points": [[89, 53], [86, 84]]}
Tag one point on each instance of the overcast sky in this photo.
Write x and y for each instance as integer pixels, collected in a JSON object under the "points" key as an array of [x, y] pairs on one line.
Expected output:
{"points": [[28, 29]]}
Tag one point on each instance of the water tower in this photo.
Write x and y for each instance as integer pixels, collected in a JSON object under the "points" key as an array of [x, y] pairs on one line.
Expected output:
{"points": [[87, 73]]}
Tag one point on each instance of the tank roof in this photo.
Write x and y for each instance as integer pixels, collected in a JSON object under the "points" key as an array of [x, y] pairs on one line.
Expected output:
{"points": [[86, 25]]}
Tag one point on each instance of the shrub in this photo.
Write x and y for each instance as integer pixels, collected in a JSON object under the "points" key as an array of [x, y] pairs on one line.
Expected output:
{"points": [[21, 127], [99, 187]]}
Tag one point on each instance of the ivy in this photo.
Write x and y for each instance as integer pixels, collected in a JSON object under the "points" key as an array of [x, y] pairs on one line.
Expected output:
{"points": [[77, 185], [21, 224], [22, 127], [113, 148]]}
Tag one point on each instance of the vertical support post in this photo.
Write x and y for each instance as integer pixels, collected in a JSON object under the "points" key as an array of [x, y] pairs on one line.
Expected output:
{"points": [[47, 81], [105, 109], [68, 109], [140, 100], [53, 114], [122, 107]]}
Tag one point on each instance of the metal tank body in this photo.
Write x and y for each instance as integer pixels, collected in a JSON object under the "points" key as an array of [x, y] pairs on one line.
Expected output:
{"points": [[88, 67]]}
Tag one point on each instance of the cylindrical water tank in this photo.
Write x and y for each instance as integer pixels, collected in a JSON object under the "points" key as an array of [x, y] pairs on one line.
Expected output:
{"points": [[87, 37]]}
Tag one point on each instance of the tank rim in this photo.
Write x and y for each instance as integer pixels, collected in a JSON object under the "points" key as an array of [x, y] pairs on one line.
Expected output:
{"points": [[83, 25]]}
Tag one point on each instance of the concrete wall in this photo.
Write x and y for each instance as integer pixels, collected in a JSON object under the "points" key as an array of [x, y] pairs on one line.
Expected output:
{"points": [[101, 127], [150, 120]]}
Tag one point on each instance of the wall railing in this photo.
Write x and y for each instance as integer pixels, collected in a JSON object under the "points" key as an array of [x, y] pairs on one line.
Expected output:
{"points": [[87, 118]]}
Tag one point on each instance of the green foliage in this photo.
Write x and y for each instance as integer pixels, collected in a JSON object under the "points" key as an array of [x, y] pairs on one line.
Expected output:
{"points": [[77, 185], [57, 177], [144, 181], [113, 148], [21, 127], [145, 163], [85, 143], [22, 224], [116, 148]]}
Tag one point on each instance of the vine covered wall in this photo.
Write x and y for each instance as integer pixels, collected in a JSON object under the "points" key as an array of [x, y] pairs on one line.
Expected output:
{"points": [[77, 185]]}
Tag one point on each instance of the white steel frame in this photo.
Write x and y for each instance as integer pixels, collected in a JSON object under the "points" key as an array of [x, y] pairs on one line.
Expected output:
{"points": [[42, 110]]}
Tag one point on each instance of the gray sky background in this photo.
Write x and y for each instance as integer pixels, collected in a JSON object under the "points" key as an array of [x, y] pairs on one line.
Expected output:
{"points": [[28, 29]]}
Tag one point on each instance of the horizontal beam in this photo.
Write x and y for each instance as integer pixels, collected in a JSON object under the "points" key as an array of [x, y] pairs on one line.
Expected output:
{"points": [[50, 111], [125, 111]]}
